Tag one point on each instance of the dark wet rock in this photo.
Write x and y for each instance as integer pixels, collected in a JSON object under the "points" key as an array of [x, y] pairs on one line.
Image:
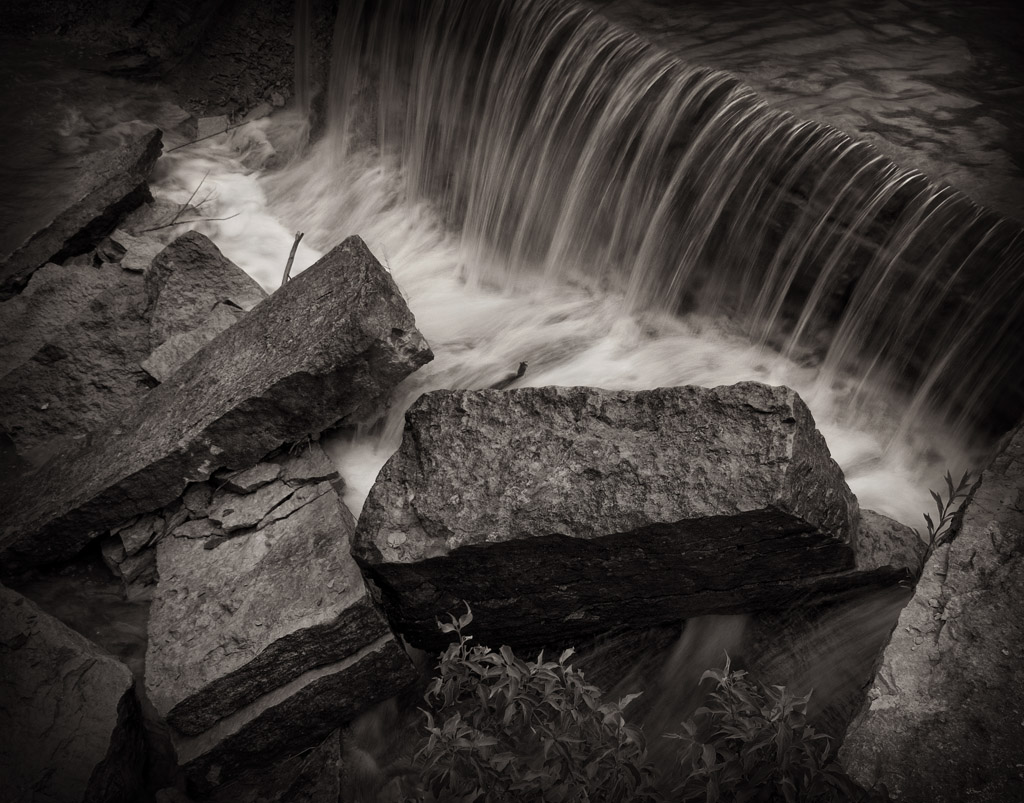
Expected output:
{"points": [[70, 724], [943, 719], [327, 348], [242, 633], [83, 369], [187, 281], [108, 184], [558, 512]]}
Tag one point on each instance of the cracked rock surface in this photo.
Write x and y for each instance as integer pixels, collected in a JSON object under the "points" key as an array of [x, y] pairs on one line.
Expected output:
{"points": [[248, 621], [70, 727], [560, 511], [944, 720]]}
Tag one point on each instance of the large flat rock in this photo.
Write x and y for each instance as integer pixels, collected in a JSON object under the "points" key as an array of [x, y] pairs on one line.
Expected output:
{"points": [[560, 511], [107, 184], [943, 721], [70, 727], [243, 622], [326, 348]]}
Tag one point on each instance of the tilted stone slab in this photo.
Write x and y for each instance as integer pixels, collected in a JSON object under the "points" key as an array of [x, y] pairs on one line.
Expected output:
{"points": [[241, 629], [943, 717], [326, 348], [70, 726], [561, 511], [107, 184]]}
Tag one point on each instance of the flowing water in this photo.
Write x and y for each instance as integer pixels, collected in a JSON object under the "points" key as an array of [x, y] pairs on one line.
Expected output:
{"points": [[548, 188]]}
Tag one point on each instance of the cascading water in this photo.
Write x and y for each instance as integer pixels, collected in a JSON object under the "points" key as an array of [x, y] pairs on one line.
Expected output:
{"points": [[550, 189]]}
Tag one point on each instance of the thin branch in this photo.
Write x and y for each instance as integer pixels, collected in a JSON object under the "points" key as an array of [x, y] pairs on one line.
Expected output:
{"points": [[193, 220], [184, 206], [291, 257], [208, 136]]}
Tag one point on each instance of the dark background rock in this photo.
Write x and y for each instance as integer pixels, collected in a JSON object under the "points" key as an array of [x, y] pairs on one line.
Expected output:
{"points": [[328, 347], [557, 512], [70, 729], [84, 367], [107, 184], [944, 716]]}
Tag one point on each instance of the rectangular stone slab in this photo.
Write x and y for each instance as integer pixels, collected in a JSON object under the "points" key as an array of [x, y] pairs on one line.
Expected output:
{"points": [[557, 512], [234, 619], [327, 347]]}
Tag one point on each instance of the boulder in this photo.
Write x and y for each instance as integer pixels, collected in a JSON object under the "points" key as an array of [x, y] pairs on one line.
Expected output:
{"points": [[944, 715], [187, 280], [326, 348], [108, 184], [244, 628], [70, 726], [557, 512]]}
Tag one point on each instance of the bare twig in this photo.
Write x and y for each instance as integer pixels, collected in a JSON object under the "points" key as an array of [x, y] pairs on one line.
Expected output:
{"points": [[291, 257], [184, 206], [208, 136], [193, 220]]}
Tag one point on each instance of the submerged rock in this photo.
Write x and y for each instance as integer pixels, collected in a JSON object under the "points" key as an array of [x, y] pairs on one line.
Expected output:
{"points": [[70, 726], [557, 512], [944, 715], [326, 348], [108, 184], [265, 641]]}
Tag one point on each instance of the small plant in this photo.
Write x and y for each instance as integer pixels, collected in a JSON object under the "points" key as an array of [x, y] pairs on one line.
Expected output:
{"points": [[942, 533], [504, 729], [751, 742]]}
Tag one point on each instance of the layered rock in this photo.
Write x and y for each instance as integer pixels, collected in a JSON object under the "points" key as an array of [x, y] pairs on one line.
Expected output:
{"points": [[108, 184], [943, 719], [326, 348], [560, 511], [262, 636], [70, 726]]}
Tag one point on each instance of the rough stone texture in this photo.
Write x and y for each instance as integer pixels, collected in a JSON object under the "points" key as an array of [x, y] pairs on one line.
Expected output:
{"points": [[139, 251], [187, 280], [178, 349], [945, 718], [234, 619], [108, 184], [563, 511], [295, 717], [54, 297], [83, 367], [70, 727], [262, 643], [326, 348]]}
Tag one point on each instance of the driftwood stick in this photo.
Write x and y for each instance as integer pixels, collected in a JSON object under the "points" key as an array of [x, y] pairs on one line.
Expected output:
{"points": [[208, 136], [291, 257], [192, 220]]}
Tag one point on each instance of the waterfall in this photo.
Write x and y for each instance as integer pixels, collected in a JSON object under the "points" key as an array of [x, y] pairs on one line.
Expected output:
{"points": [[564, 148]]}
